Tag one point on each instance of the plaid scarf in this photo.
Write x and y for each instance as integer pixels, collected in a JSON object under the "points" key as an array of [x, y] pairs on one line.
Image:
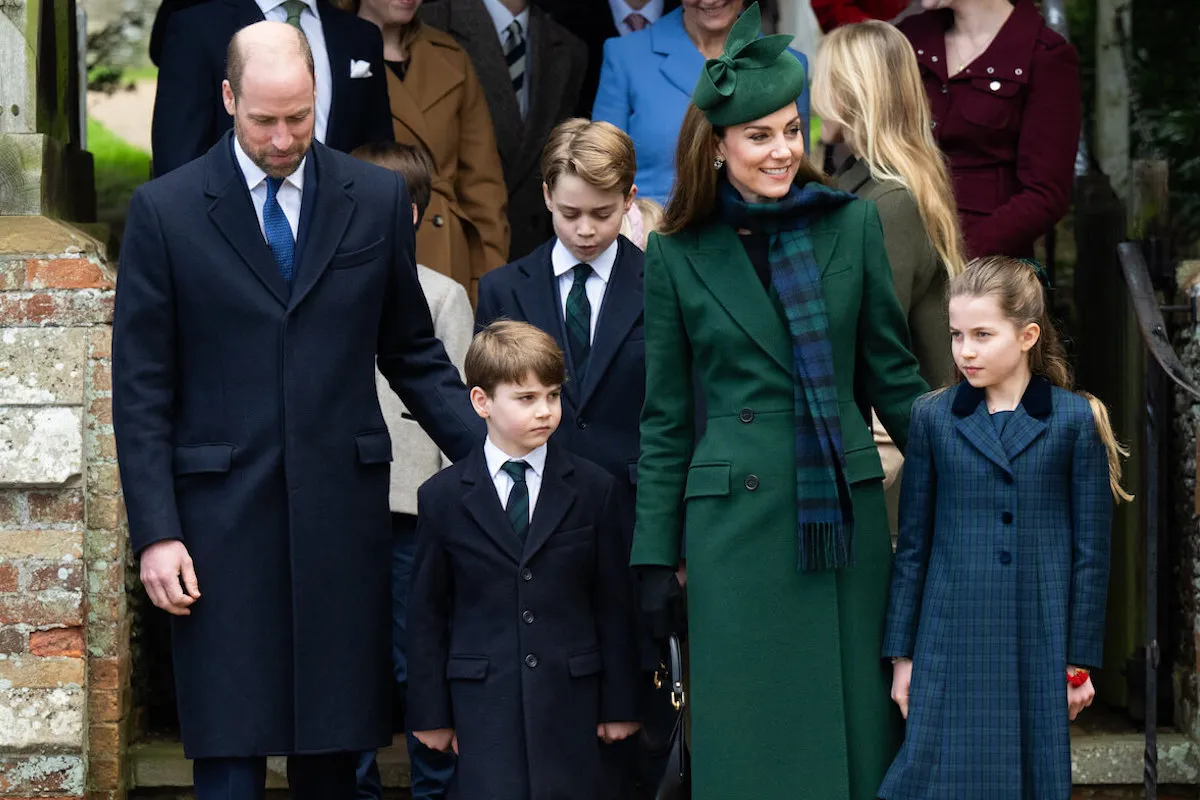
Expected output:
{"points": [[824, 515]]}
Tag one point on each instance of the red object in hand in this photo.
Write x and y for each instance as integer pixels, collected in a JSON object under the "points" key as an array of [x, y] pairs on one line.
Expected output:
{"points": [[1078, 678]]}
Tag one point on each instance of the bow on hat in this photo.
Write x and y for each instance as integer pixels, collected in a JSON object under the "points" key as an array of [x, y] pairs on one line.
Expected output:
{"points": [[744, 49]]}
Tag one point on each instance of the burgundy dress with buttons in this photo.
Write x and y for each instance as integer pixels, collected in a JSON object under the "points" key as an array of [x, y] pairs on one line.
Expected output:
{"points": [[1009, 125]]}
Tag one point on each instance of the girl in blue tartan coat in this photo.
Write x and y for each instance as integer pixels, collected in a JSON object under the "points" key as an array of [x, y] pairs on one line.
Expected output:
{"points": [[1001, 571]]}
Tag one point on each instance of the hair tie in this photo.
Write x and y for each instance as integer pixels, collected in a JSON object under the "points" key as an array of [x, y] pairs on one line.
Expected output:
{"points": [[1038, 270]]}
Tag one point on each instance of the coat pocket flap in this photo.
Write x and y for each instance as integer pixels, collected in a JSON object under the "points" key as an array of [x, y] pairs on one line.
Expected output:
{"points": [[707, 480], [374, 447], [358, 257], [586, 663], [467, 668], [190, 459], [863, 464]]}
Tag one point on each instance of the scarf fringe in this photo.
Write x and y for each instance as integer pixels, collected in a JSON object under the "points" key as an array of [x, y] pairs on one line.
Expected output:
{"points": [[825, 545]]}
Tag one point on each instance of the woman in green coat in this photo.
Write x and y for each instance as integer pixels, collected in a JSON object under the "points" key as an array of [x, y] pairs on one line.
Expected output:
{"points": [[773, 294]]}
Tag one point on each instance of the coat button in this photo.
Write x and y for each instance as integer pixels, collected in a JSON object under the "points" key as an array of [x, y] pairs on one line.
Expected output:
{"points": [[1005, 557], [531, 661], [1008, 479], [1017, 71], [994, 86], [751, 482], [581, 423], [746, 415], [528, 617], [526, 575], [991, 70], [945, 89], [438, 220], [1006, 518]]}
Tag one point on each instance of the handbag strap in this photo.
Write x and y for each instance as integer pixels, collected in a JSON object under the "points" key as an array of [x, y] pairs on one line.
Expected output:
{"points": [[678, 695]]}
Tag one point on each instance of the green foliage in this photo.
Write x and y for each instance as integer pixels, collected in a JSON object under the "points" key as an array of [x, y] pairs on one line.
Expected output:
{"points": [[120, 168]]}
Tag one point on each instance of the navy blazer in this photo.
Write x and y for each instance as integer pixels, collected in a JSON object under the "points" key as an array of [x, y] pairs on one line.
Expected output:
{"points": [[248, 426], [522, 649], [189, 114], [600, 412]]}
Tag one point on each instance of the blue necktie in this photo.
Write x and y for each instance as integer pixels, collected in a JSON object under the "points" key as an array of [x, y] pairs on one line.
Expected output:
{"points": [[279, 232]]}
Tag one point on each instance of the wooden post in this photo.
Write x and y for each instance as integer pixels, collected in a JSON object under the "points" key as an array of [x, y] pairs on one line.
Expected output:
{"points": [[1149, 200]]}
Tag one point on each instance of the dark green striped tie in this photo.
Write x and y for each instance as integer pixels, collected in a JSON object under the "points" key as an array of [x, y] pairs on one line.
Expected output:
{"points": [[579, 320], [518, 497]]}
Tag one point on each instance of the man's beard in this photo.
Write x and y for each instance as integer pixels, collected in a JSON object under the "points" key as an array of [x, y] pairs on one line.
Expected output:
{"points": [[275, 169]]}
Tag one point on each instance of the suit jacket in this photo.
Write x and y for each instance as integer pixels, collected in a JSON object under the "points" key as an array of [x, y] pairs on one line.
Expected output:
{"points": [[415, 457], [248, 426], [999, 583], [601, 410], [440, 106], [522, 649], [592, 21], [189, 115], [159, 29], [555, 64], [646, 86], [1009, 125]]}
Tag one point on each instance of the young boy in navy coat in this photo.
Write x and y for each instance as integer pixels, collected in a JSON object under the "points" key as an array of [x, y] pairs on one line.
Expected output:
{"points": [[521, 644]]}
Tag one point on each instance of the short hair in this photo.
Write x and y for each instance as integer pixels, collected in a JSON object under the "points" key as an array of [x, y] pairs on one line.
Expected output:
{"points": [[413, 162], [236, 58], [600, 153], [509, 352]]}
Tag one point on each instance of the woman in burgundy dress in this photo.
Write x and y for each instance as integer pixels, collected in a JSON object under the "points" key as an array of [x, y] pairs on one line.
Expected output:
{"points": [[1004, 91]]}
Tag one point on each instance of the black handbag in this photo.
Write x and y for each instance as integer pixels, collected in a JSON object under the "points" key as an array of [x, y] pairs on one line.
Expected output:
{"points": [[677, 779]]}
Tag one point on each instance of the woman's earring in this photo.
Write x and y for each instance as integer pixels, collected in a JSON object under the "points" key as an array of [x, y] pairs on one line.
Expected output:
{"points": [[718, 162]]}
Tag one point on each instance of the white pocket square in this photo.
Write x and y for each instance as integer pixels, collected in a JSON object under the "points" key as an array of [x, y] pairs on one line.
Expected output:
{"points": [[360, 69]]}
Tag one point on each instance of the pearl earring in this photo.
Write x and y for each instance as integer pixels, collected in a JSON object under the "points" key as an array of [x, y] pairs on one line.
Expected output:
{"points": [[718, 162]]}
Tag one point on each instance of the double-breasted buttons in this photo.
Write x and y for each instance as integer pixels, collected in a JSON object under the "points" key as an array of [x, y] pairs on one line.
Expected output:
{"points": [[1006, 518], [1005, 557], [527, 617], [994, 86], [1018, 71], [746, 415], [531, 661], [581, 423], [527, 574], [438, 220], [751, 482], [991, 70]]}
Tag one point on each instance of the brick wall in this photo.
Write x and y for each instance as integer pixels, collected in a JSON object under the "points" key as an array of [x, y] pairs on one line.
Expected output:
{"points": [[64, 628]]}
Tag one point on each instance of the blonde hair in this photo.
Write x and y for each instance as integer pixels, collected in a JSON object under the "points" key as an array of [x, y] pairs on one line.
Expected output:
{"points": [[509, 352], [694, 196], [867, 81], [599, 153], [1016, 286], [649, 215]]}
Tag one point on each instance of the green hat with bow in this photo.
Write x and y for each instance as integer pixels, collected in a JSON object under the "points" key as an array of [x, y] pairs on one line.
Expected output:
{"points": [[754, 77]]}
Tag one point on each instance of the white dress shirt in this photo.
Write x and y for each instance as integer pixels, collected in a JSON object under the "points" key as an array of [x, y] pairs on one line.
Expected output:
{"points": [[497, 458], [310, 23], [502, 18], [597, 283], [621, 11], [290, 194]]}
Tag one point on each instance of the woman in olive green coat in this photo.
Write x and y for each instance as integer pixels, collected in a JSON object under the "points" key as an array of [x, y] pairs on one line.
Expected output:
{"points": [[773, 293]]}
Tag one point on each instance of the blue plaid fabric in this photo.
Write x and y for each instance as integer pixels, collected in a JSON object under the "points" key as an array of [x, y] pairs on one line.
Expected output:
{"points": [[999, 583], [279, 232]]}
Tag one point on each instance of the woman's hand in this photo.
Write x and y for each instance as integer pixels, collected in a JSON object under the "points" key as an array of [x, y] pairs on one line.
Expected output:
{"points": [[901, 681], [1079, 697]]}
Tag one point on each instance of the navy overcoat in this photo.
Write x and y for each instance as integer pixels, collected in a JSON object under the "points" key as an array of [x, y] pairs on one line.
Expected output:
{"points": [[999, 583], [248, 426]]}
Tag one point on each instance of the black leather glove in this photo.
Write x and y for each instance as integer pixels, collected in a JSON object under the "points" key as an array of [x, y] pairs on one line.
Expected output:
{"points": [[661, 601]]}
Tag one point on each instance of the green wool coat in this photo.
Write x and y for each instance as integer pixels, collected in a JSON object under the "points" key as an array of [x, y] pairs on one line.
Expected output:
{"points": [[789, 695]]}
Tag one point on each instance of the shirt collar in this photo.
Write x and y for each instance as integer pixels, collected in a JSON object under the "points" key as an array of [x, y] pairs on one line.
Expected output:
{"points": [[266, 6], [497, 458], [621, 9], [563, 262], [254, 174], [502, 17]]}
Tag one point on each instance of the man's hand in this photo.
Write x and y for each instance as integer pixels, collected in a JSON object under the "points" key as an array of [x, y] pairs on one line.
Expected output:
{"points": [[163, 564], [440, 739], [616, 731], [901, 680]]}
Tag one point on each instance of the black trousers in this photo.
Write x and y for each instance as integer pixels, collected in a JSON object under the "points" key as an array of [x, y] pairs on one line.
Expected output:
{"points": [[319, 777]]}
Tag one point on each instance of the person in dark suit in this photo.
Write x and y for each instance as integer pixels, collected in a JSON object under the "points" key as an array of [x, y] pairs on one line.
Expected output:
{"points": [[531, 69], [597, 21], [1004, 90], [258, 288], [521, 647], [351, 84], [159, 29]]}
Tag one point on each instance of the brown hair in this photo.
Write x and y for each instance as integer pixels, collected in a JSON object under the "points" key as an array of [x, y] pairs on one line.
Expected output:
{"points": [[694, 196], [408, 34], [236, 58], [600, 153], [411, 161], [1015, 285], [509, 352]]}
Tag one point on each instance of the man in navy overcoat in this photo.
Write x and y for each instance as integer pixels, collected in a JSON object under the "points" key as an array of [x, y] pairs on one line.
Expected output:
{"points": [[258, 287]]}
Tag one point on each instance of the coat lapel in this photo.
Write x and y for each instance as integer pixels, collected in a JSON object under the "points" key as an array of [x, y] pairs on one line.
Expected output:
{"points": [[431, 76], [620, 311], [406, 108], [483, 504], [682, 62], [332, 208], [1029, 421], [974, 423], [554, 500], [232, 212], [722, 265]]}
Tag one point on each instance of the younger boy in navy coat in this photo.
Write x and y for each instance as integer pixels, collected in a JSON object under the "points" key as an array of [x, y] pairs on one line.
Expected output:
{"points": [[521, 649]]}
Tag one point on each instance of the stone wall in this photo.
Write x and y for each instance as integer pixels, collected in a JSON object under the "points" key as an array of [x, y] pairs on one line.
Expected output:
{"points": [[64, 635], [1186, 544]]}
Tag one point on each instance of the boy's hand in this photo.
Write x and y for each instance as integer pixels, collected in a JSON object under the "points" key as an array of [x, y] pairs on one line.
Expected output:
{"points": [[441, 739], [901, 681], [1079, 698], [616, 731]]}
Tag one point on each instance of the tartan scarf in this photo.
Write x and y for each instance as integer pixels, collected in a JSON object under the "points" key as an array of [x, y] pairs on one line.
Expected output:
{"points": [[824, 515]]}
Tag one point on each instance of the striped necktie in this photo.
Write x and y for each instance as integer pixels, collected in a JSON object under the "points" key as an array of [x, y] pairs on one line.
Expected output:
{"points": [[518, 498], [579, 320], [514, 55], [637, 22], [293, 9]]}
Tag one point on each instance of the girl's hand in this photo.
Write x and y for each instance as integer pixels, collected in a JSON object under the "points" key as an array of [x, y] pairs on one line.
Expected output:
{"points": [[441, 739], [1079, 698], [616, 731], [901, 680]]}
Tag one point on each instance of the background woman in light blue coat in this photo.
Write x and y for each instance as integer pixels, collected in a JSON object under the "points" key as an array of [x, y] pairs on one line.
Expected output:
{"points": [[647, 79]]}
